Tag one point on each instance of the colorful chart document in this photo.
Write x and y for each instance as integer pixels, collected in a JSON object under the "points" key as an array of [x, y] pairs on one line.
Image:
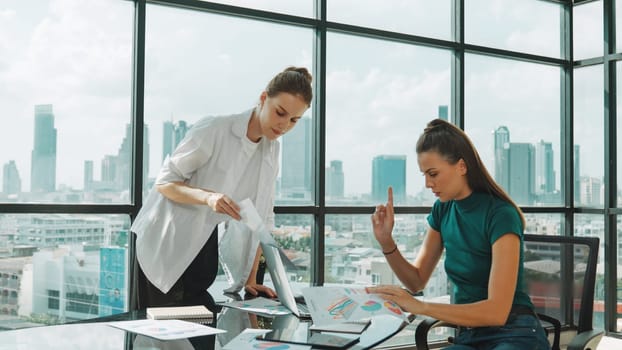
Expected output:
{"points": [[330, 305], [247, 340], [166, 329]]}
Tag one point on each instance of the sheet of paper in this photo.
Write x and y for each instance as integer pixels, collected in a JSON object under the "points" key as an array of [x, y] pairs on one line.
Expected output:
{"points": [[259, 305], [166, 329], [251, 218], [329, 305], [247, 340]]}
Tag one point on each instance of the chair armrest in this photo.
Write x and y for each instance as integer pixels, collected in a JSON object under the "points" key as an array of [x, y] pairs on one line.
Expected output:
{"points": [[556, 326], [421, 333], [585, 340]]}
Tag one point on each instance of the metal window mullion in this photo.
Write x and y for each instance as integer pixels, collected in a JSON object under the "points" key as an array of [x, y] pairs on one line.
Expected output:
{"points": [[138, 122], [610, 181], [457, 64], [319, 149]]}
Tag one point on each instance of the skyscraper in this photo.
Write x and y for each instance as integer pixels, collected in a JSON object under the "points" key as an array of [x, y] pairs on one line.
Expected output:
{"points": [[502, 157], [334, 180], [109, 168], [545, 173], [88, 175], [43, 156], [577, 174], [296, 163], [388, 170], [522, 172], [590, 191], [443, 112], [172, 134], [118, 169], [11, 182], [168, 129]]}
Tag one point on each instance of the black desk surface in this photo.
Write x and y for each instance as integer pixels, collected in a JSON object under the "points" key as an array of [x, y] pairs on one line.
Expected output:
{"points": [[97, 335]]}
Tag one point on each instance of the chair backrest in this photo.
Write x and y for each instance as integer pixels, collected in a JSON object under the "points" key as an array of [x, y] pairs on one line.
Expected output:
{"points": [[560, 274]]}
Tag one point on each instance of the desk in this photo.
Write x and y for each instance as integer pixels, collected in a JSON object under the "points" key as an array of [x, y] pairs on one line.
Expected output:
{"points": [[97, 335]]}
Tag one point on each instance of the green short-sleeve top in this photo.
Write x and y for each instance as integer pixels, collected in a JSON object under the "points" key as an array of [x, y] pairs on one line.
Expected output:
{"points": [[469, 227]]}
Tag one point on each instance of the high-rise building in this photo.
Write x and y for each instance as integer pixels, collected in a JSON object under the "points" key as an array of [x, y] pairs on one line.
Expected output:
{"points": [[388, 170], [502, 157], [43, 157], [296, 173], [172, 134], [590, 191], [117, 170], [443, 112], [522, 173], [545, 173], [334, 180], [88, 175], [577, 174], [168, 129], [11, 182], [109, 168]]}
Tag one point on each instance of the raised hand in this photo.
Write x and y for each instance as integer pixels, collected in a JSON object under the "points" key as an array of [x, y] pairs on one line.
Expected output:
{"points": [[382, 221]]}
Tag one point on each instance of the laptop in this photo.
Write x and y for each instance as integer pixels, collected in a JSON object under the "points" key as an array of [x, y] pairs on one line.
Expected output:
{"points": [[283, 289]]}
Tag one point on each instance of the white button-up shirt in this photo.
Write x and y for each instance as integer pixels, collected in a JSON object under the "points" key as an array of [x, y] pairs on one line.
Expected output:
{"points": [[211, 156]]}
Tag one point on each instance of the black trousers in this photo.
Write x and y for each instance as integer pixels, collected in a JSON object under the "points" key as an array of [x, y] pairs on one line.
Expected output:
{"points": [[191, 287]]}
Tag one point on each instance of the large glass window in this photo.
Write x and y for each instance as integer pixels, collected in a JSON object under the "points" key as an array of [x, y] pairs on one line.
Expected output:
{"points": [[218, 65], [525, 26], [512, 115], [66, 92], [376, 106], [588, 30], [588, 136], [66, 97], [56, 268], [594, 226], [418, 17]]}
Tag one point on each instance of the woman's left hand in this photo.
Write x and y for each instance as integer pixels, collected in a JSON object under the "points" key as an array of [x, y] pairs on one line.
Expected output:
{"points": [[398, 295], [256, 289]]}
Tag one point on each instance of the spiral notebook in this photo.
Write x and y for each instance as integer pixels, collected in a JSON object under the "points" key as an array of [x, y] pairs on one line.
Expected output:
{"points": [[195, 313]]}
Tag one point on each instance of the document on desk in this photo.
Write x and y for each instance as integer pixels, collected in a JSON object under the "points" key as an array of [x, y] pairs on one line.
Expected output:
{"points": [[330, 305], [259, 305], [166, 329], [248, 340]]}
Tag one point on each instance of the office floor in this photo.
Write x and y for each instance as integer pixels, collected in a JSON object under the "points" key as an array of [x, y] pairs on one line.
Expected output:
{"points": [[609, 343]]}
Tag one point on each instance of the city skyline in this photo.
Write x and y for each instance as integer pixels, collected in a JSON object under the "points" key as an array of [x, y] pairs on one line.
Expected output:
{"points": [[534, 182]]}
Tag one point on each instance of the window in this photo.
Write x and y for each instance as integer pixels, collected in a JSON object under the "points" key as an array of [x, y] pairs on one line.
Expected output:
{"points": [[380, 72]]}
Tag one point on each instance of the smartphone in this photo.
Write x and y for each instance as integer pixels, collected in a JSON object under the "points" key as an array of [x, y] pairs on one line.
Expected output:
{"points": [[318, 340]]}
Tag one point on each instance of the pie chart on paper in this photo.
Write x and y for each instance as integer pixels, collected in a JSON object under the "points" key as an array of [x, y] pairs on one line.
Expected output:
{"points": [[371, 306]]}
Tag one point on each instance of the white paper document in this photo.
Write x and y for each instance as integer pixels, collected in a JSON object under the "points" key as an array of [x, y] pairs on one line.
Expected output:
{"points": [[251, 218], [330, 305], [259, 305], [166, 329], [247, 340]]}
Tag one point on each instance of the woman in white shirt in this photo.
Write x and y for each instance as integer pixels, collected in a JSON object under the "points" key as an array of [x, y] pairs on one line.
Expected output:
{"points": [[221, 161]]}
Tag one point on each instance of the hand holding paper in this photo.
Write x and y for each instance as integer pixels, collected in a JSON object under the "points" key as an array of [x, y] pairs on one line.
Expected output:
{"points": [[251, 218]]}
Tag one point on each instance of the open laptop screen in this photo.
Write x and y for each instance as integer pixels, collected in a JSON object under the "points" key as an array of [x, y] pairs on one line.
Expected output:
{"points": [[279, 278]]}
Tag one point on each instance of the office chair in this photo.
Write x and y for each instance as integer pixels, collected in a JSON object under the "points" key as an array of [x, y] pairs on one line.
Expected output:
{"points": [[560, 274]]}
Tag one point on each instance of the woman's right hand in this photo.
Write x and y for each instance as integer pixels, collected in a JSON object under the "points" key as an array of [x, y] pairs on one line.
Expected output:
{"points": [[220, 203], [382, 221]]}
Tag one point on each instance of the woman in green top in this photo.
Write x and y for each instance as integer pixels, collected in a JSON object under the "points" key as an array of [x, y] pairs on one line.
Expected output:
{"points": [[481, 230]]}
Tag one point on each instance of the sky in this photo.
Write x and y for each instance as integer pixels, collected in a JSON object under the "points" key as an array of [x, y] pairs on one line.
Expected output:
{"points": [[76, 55]]}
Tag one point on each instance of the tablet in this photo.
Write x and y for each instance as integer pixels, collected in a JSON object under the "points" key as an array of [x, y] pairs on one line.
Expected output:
{"points": [[317, 340]]}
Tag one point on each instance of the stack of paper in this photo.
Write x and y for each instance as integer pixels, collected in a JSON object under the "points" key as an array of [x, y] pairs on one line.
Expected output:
{"points": [[196, 313]]}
